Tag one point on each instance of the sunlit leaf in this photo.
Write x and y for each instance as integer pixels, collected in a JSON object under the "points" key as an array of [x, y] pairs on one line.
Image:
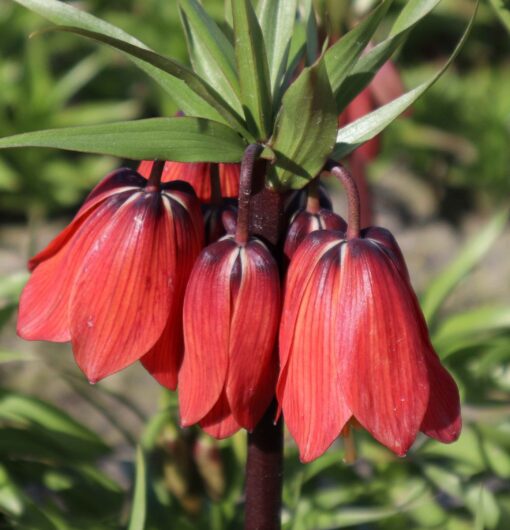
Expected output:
{"points": [[211, 53], [252, 68], [365, 128], [277, 24], [182, 139]]}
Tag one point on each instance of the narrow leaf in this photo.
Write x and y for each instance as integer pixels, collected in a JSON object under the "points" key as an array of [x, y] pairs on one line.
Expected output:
{"points": [[369, 63], [277, 23], [305, 129], [192, 80], [470, 256], [64, 14], [252, 68], [211, 53], [341, 57], [365, 128], [503, 11], [139, 506], [181, 139]]}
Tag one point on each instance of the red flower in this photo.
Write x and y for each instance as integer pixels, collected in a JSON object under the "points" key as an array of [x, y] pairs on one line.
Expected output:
{"points": [[305, 222], [231, 315], [113, 281], [354, 346], [198, 175]]}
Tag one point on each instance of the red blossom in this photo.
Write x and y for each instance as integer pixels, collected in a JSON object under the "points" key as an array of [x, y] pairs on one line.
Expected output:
{"points": [[354, 346], [113, 281], [231, 315]]}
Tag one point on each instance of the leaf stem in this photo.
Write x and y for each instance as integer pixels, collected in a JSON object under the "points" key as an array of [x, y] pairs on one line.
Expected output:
{"points": [[154, 182]]}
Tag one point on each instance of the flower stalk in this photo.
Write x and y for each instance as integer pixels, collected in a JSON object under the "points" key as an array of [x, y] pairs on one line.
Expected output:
{"points": [[251, 154], [353, 201]]}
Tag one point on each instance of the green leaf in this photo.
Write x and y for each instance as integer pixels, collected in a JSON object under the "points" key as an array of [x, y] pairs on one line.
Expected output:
{"points": [[305, 129], [252, 68], [192, 80], [502, 9], [277, 23], [181, 139], [139, 509], [57, 425], [365, 128], [211, 53], [311, 31], [341, 57], [470, 256], [369, 63], [66, 15], [472, 323], [12, 356]]}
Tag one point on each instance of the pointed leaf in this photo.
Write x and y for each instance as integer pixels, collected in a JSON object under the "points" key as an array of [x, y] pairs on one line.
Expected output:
{"points": [[211, 53], [277, 23], [341, 57], [470, 256], [180, 139], [139, 505], [365, 69], [364, 129], [66, 15], [305, 129], [252, 68], [503, 11], [192, 80]]}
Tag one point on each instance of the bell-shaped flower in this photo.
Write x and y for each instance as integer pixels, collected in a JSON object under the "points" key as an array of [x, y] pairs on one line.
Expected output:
{"points": [[198, 175], [231, 316], [113, 281], [354, 348]]}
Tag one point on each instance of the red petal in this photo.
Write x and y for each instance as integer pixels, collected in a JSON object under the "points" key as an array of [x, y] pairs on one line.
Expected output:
{"points": [[207, 314], [43, 309], [255, 317], [229, 180], [120, 302], [220, 422], [299, 274], [442, 420], [164, 359], [117, 182], [197, 174], [310, 391], [380, 347]]}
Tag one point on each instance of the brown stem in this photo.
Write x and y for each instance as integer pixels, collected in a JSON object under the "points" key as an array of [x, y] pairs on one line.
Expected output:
{"points": [[313, 201], [251, 154], [347, 181], [154, 182]]}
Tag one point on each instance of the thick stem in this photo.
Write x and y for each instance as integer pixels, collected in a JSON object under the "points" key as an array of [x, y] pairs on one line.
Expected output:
{"points": [[245, 186], [264, 466], [264, 474], [347, 181], [154, 182]]}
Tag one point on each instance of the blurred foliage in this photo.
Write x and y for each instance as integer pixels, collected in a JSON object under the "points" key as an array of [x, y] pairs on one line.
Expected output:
{"points": [[52, 468]]}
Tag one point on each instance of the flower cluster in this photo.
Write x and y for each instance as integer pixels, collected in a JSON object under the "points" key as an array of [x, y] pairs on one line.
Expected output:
{"points": [[129, 279]]}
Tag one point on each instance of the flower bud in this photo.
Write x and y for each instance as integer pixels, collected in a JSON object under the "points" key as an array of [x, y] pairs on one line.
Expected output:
{"points": [[231, 314]]}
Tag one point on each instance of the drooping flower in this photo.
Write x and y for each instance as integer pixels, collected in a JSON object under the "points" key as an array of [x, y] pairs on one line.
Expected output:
{"points": [[354, 347], [113, 281], [198, 174], [231, 315]]}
